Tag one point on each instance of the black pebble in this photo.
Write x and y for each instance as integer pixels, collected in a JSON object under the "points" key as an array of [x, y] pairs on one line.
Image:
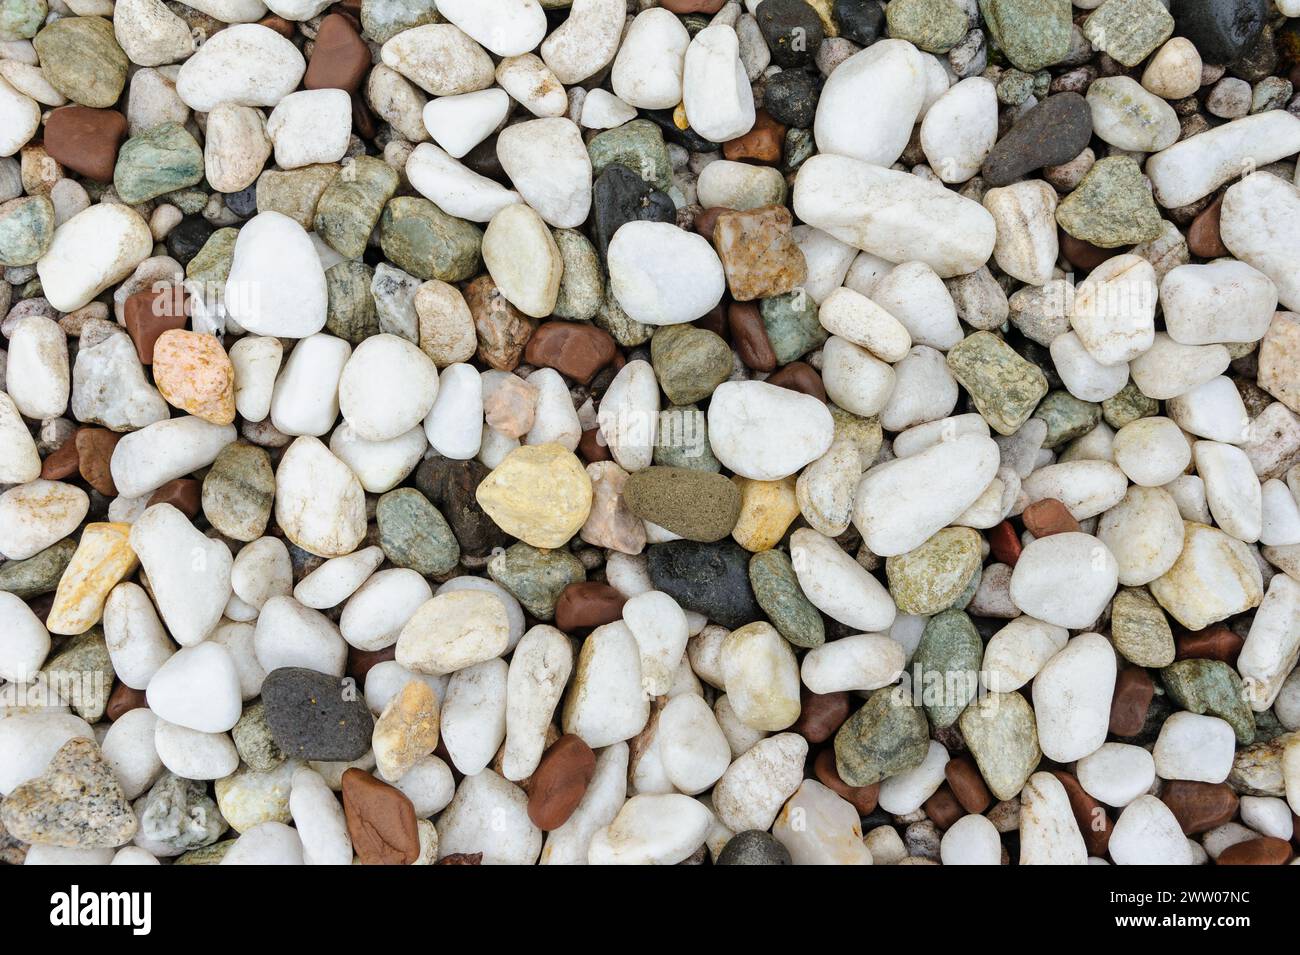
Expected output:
{"points": [[860, 20], [754, 847], [244, 202], [190, 234], [791, 98], [1053, 132], [621, 196], [687, 138], [1221, 30], [316, 716], [792, 29], [712, 579], [451, 485]]}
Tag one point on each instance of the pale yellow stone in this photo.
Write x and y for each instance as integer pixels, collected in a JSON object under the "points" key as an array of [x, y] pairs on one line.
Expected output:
{"points": [[1279, 360], [454, 630], [539, 494], [824, 12], [1214, 577], [102, 559], [766, 510], [407, 730]]}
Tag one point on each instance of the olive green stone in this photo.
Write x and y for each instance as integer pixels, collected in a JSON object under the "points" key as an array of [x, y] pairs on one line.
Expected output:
{"points": [[683, 440], [1004, 386], [792, 325], [693, 504], [776, 587], [1112, 206], [972, 588], [1002, 734], [81, 59], [414, 534], [1213, 687], [381, 20], [1032, 33], [1014, 87], [1128, 406], [190, 201], [866, 433], [1129, 30], [420, 238], [934, 576], [582, 288], [26, 227], [638, 145], [350, 313], [238, 490], [20, 19], [1267, 726], [211, 264], [945, 667], [208, 855], [689, 362], [156, 162], [352, 203], [1067, 417], [38, 574], [1139, 629], [253, 739], [295, 192], [536, 577], [626, 330], [81, 674], [936, 26], [886, 737]]}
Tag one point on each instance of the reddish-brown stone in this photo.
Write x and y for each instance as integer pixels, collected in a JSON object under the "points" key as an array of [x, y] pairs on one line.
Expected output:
{"points": [[1128, 707], [462, 858], [339, 59], [1004, 543], [762, 144], [692, 6], [360, 661], [61, 462], [560, 781], [148, 314], [758, 252], [1266, 850], [1084, 255], [575, 349], [589, 604], [968, 786], [381, 820], [1214, 643], [123, 699], [799, 376], [1199, 807], [1047, 517], [749, 336], [363, 120], [943, 807], [707, 220], [184, 494], [821, 714], [1090, 816], [1203, 237], [279, 24], [86, 140], [591, 448], [94, 456], [863, 798], [714, 321]]}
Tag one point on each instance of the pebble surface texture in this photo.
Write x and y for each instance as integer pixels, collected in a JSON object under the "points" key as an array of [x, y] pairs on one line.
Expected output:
{"points": [[650, 432]]}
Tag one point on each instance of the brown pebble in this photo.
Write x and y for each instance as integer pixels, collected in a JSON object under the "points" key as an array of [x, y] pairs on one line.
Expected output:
{"points": [[801, 377], [363, 120], [61, 462], [94, 457], [575, 349], [360, 661], [560, 781], [714, 321], [1128, 707], [148, 314], [749, 336], [502, 329], [1090, 816], [279, 24], [592, 448], [184, 494], [943, 807], [1214, 643], [86, 140], [1084, 255], [1203, 237], [692, 6], [123, 699], [1199, 807], [758, 252], [339, 59], [588, 604], [863, 798], [1047, 517], [1004, 543], [968, 786], [462, 858], [762, 144], [707, 220], [821, 714], [381, 820], [1266, 850]]}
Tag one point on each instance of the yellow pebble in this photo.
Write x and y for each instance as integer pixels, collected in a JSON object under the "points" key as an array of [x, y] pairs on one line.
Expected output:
{"points": [[679, 116], [766, 510], [102, 559], [407, 730], [539, 493], [823, 8]]}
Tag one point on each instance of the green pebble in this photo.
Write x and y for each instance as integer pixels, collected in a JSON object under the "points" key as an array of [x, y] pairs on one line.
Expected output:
{"points": [[689, 362], [1128, 406], [211, 264], [1014, 87], [1139, 629], [582, 289], [638, 145], [1112, 206], [626, 330], [935, 26], [381, 20], [20, 19], [295, 192], [350, 314], [776, 587], [945, 667], [792, 325], [1032, 33], [38, 574], [536, 577], [887, 736], [157, 161], [693, 504], [253, 739], [1067, 417], [1002, 734], [866, 433], [1213, 687], [1129, 30], [26, 228], [81, 59], [934, 576], [190, 201], [352, 203], [414, 534], [421, 239], [238, 490], [208, 855], [683, 440], [83, 673], [1004, 386]]}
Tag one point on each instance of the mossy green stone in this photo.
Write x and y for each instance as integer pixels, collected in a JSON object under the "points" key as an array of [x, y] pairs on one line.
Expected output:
{"points": [[776, 587], [1139, 629], [207, 855], [1004, 386], [582, 288], [295, 192], [866, 433], [693, 504], [20, 19], [84, 667], [26, 228], [350, 312], [414, 534], [38, 574], [887, 736], [1129, 30], [968, 593], [352, 203], [1213, 687], [1112, 206], [254, 741], [638, 145], [1128, 406], [238, 490], [683, 440], [945, 667], [381, 20], [932, 577], [536, 577], [1032, 33], [211, 264], [158, 161], [792, 325], [1067, 417], [189, 200], [1002, 734], [627, 331], [935, 26], [81, 59], [421, 239], [689, 362]]}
